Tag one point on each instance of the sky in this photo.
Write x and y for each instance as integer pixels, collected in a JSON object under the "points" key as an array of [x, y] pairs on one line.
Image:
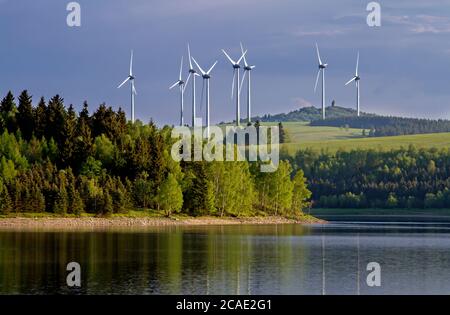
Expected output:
{"points": [[404, 63]]}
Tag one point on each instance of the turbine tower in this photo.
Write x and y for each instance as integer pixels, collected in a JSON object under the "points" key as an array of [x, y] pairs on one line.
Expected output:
{"points": [[182, 85], [206, 76], [322, 67], [194, 74], [236, 84], [133, 90], [247, 70], [356, 78]]}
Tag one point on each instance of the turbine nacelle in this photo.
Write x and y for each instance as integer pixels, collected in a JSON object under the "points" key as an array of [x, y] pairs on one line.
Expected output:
{"points": [[323, 66]]}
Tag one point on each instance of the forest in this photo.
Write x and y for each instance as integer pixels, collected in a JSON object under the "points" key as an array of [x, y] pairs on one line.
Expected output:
{"points": [[381, 126], [55, 160], [402, 178]]}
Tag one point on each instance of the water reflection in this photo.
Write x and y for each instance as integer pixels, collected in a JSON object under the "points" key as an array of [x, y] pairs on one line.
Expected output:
{"points": [[284, 259]]}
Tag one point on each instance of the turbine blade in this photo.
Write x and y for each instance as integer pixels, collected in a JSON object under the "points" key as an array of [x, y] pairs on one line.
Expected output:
{"points": [[133, 88], [190, 59], [353, 79], [245, 59], [125, 81], [212, 67], [198, 66], [243, 55], [174, 85], [228, 57], [181, 69], [318, 54], [242, 82], [187, 80], [317, 81], [357, 64], [131, 64], [232, 83]]}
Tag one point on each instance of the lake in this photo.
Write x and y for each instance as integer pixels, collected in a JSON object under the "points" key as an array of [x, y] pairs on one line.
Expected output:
{"points": [[268, 259]]}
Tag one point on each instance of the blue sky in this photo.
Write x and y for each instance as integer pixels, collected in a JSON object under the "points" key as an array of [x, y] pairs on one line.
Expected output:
{"points": [[405, 63]]}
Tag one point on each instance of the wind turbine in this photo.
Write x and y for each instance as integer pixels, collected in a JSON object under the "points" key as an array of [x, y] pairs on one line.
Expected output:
{"points": [[206, 75], [182, 85], [133, 90], [247, 69], [194, 74], [356, 78], [322, 67], [236, 84]]}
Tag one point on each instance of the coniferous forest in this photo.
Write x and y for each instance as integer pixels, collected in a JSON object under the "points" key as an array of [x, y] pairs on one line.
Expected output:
{"points": [[55, 160]]}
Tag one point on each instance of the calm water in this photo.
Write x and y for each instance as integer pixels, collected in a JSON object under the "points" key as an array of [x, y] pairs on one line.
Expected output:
{"points": [[285, 259]]}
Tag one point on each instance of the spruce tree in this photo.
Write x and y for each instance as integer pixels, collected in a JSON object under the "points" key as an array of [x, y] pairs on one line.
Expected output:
{"points": [[25, 115], [108, 207], [8, 112], [40, 119]]}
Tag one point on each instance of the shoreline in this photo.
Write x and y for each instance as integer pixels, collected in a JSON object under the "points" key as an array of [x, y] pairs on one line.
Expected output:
{"points": [[68, 223]]}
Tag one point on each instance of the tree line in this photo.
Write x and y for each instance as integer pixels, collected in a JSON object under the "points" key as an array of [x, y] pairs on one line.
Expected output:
{"points": [[55, 160], [399, 178], [381, 126]]}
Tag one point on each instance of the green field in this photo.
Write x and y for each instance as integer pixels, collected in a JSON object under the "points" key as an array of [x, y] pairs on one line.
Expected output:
{"points": [[302, 136]]}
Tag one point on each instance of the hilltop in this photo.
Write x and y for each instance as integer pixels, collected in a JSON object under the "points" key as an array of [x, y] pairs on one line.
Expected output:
{"points": [[310, 114]]}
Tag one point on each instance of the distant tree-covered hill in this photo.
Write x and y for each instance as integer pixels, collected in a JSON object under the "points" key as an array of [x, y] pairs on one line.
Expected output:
{"points": [[382, 126], [376, 126], [309, 114]]}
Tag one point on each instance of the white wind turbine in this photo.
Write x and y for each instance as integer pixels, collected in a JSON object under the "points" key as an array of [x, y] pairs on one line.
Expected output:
{"points": [[322, 67], [206, 75], [182, 85], [133, 90], [194, 74], [247, 70], [356, 78], [236, 84]]}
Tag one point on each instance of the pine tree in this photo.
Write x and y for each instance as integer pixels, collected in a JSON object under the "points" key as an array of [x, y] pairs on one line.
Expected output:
{"points": [[8, 112], [25, 115], [55, 121], [61, 203], [83, 143], [108, 208], [5, 199], [68, 135], [77, 205], [40, 119], [200, 194]]}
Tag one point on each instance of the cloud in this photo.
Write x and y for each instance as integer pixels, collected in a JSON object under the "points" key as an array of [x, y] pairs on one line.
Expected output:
{"points": [[421, 23], [303, 33], [300, 102]]}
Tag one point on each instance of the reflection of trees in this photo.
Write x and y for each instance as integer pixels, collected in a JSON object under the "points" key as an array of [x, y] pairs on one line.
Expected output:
{"points": [[175, 260]]}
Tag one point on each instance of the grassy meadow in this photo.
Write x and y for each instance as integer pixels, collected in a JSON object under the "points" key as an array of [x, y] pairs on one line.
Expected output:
{"points": [[302, 136]]}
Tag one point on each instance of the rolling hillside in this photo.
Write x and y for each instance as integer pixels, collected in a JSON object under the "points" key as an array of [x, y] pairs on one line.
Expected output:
{"points": [[302, 136]]}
